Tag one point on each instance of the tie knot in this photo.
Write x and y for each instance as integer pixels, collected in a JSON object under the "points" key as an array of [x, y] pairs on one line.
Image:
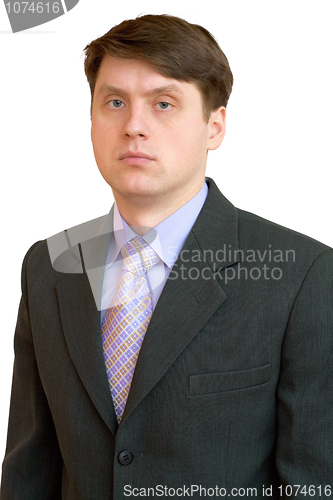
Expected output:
{"points": [[139, 257]]}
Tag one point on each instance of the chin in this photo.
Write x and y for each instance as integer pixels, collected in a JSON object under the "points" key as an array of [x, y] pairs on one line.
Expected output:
{"points": [[135, 186]]}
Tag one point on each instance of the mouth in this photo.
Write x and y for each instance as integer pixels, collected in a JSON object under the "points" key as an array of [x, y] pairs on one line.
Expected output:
{"points": [[136, 154], [135, 158]]}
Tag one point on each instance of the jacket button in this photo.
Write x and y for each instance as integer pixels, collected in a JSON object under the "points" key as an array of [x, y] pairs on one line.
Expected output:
{"points": [[125, 457]]}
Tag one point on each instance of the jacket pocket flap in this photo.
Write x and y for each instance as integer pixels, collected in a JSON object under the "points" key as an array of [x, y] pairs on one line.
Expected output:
{"points": [[209, 383]]}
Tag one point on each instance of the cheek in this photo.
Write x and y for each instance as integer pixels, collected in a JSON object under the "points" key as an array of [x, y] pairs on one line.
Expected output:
{"points": [[98, 129], [95, 132], [187, 142], [101, 137]]}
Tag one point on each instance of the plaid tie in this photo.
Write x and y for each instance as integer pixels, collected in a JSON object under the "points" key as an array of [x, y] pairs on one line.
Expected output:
{"points": [[127, 319]]}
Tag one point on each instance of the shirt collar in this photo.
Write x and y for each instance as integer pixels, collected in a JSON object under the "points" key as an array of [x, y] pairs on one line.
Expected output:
{"points": [[174, 230], [167, 238]]}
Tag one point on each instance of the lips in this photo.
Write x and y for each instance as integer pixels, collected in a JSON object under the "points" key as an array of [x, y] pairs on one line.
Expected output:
{"points": [[136, 154], [136, 159]]}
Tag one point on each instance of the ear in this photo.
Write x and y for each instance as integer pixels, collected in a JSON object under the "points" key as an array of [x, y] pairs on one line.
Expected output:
{"points": [[217, 128]]}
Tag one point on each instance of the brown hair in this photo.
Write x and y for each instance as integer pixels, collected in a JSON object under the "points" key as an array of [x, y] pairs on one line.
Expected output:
{"points": [[176, 48]]}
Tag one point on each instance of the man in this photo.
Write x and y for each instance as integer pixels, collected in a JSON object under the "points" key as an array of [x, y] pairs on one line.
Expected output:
{"points": [[178, 346]]}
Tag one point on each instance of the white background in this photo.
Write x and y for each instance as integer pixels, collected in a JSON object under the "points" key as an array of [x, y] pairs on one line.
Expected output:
{"points": [[276, 160]]}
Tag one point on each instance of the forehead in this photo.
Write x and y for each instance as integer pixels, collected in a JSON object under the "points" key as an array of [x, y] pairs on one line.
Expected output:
{"points": [[137, 76]]}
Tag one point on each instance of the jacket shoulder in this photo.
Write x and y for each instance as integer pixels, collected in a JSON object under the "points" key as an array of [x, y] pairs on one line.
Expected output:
{"points": [[47, 260], [257, 230]]}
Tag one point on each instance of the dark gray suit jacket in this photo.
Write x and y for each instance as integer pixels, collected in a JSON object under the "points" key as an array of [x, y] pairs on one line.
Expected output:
{"points": [[232, 388]]}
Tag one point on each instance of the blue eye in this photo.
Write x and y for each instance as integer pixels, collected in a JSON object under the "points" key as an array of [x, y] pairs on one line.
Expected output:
{"points": [[116, 103], [164, 105]]}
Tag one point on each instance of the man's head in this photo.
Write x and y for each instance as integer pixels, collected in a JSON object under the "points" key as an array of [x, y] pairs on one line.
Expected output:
{"points": [[177, 49], [159, 90]]}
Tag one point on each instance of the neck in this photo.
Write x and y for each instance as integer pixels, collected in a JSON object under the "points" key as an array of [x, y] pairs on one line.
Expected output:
{"points": [[144, 214]]}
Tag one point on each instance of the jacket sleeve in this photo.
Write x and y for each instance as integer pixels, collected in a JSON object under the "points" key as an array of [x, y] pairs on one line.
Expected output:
{"points": [[32, 465], [305, 391]]}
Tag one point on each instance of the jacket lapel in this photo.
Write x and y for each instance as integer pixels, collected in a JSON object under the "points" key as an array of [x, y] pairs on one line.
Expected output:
{"points": [[191, 295], [79, 297], [81, 326]]}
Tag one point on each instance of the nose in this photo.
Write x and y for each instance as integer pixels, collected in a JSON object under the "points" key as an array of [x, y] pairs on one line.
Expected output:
{"points": [[137, 122]]}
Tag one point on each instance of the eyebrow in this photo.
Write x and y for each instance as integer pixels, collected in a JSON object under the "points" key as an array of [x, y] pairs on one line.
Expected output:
{"points": [[110, 89]]}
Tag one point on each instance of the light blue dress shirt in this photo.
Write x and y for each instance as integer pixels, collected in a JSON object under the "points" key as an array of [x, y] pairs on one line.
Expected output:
{"points": [[166, 239]]}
